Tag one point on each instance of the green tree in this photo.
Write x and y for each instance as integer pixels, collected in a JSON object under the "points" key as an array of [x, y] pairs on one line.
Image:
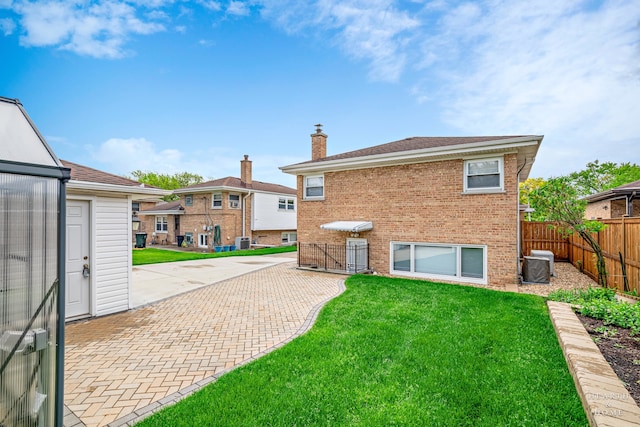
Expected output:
{"points": [[526, 188], [558, 200], [598, 177], [166, 181]]}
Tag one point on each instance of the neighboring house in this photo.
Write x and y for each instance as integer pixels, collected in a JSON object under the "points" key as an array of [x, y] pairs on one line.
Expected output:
{"points": [[218, 212], [160, 221], [441, 208], [99, 265], [614, 203]]}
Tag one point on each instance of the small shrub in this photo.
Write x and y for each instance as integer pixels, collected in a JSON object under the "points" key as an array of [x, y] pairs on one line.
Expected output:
{"points": [[579, 296], [601, 303]]}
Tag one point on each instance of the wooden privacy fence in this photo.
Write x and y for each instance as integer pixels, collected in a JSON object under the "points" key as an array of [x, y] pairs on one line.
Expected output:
{"points": [[620, 240]]}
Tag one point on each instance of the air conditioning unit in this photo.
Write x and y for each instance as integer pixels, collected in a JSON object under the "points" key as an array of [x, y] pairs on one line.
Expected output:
{"points": [[544, 254], [234, 204], [536, 270], [243, 243]]}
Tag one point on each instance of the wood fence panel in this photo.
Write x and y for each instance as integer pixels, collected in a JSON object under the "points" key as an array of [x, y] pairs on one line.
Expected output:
{"points": [[620, 236], [540, 236]]}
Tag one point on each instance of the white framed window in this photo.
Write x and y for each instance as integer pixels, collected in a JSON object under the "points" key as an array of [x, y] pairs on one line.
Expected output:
{"points": [[285, 204], [463, 263], [188, 237], [216, 201], [483, 175], [289, 238], [188, 200], [314, 187], [234, 201], [162, 224]]}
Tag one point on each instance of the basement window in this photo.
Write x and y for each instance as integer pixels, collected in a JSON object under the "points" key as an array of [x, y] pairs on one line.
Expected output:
{"points": [[463, 263]]}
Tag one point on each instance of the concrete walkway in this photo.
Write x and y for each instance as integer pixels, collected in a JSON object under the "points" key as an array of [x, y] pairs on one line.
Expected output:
{"points": [[120, 368], [155, 282]]}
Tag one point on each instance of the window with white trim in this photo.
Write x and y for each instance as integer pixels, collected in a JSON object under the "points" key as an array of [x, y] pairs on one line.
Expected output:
{"points": [[188, 237], [216, 201], [286, 204], [465, 263], [162, 224], [481, 175], [289, 237], [188, 200], [234, 201], [314, 187]]}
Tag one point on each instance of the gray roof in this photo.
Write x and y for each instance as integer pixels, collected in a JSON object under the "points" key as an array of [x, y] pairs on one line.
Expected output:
{"points": [[237, 183], [621, 190], [174, 206], [413, 143], [85, 173]]}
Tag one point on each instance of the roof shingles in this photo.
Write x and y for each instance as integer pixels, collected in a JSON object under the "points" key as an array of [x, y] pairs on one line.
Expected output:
{"points": [[233, 182], [87, 174], [413, 143]]}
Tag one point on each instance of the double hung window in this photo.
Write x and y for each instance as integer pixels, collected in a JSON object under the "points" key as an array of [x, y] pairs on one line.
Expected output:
{"points": [[481, 175], [314, 187], [162, 225]]}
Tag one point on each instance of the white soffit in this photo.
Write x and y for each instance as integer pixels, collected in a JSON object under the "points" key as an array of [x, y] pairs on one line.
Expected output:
{"points": [[19, 141], [351, 226]]}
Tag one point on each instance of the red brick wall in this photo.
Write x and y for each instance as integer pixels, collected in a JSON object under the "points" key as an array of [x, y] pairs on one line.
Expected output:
{"points": [[418, 203], [200, 214]]}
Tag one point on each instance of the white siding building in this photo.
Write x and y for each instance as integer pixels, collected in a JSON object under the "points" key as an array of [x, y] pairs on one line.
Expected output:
{"points": [[98, 258]]}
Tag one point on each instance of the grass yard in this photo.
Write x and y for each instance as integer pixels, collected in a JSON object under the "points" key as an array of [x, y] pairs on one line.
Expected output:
{"points": [[401, 352], [154, 256]]}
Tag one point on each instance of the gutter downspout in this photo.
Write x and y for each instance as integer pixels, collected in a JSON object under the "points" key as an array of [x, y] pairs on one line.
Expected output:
{"points": [[518, 245], [630, 199], [244, 213]]}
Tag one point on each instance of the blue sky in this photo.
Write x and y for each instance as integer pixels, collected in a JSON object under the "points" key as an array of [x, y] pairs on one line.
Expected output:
{"points": [[171, 86]]}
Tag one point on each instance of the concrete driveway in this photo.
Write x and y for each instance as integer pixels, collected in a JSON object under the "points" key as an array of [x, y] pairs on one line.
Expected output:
{"points": [[155, 282], [120, 368]]}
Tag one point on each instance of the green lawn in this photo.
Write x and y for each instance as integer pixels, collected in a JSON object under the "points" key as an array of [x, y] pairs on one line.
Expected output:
{"points": [[401, 352], [154, 256]]}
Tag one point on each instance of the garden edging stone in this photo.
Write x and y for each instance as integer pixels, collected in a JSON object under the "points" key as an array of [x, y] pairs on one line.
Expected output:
{"points": [[604, 397]]}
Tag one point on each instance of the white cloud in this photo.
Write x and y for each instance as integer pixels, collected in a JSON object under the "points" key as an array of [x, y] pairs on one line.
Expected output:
{"points": [[124, 155], [371, 30], [7, 26], [238, 8], [100, 30], [566, 69]]}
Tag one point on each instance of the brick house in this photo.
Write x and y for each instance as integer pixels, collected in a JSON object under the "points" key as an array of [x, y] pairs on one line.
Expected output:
{"points": [[442, 208], [615, 202], [215, 213]]}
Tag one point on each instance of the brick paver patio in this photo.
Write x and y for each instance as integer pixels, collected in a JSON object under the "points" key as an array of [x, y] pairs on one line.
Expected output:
{"points": [[122, 366]]}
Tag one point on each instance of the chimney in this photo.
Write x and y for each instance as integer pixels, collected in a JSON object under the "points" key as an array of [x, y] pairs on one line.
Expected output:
{"points": [[318, 144], [245, 170]]}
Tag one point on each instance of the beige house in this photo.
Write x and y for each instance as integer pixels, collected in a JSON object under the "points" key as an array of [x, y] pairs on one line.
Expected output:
{"points": [[614, 203], [225, 211], [441, 208]]}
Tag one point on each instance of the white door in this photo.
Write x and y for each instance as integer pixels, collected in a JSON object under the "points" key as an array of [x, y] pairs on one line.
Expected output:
{"points": [[203, 240], [78, 264], [357, 255]]}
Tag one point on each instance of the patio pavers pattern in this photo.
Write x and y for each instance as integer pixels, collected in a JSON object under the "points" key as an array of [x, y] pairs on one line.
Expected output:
{"points": [[119, 366]]}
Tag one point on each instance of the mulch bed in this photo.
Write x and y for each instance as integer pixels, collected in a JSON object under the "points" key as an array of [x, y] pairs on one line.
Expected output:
{"points": [[620, 349]]}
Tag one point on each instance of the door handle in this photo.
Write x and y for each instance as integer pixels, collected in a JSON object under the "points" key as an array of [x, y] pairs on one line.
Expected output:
{"points": [[85, 270]]}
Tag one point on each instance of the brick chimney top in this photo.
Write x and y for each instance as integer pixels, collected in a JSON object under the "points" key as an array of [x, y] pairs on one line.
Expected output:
{"points": [[245, 170], [318, 144]]}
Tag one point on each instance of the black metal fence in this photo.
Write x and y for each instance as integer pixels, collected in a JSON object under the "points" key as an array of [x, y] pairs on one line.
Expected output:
{"points": [[332, 257]]}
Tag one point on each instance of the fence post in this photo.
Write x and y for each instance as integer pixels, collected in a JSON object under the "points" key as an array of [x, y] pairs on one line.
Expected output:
{"points": [[325, 257]]}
